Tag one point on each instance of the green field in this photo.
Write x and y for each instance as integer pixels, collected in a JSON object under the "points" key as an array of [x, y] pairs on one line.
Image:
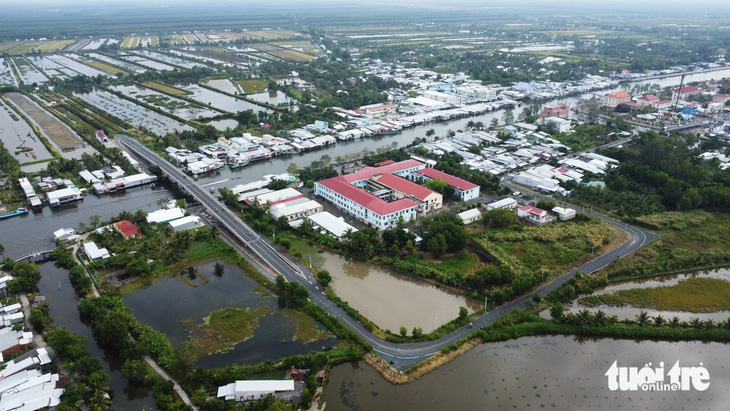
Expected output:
{"points": [[177, 39], [106, 67], [697, 295], [165, 88], [253, 86], [130, 42]]}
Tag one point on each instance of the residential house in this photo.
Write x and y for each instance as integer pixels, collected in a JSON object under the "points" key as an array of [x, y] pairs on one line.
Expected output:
{"points": [[93, 252], [532, 214], [556, 110], [127, 229], [470, 216], [647, 100]]}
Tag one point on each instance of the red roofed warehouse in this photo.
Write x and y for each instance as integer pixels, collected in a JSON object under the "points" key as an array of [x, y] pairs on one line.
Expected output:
{"points": [[127, 229], [379, 202], [464, 189]]}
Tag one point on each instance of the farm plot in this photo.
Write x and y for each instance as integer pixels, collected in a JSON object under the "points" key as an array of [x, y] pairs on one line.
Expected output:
{"points": [[196, 57], [53, 46], [271, 34], [221, 101], [148, 63], [301, 46], [190, 38], [292, 55], [95, 44], [164, 88], [6, 73], [201, 37], [77, 66], [28, 73], [130, 42], [172, 105], [62, 136], [19, 138], [155, 41], [223, 85], [178, 39], [48, 66], [119, 63], [133, 113], [177, 61]]}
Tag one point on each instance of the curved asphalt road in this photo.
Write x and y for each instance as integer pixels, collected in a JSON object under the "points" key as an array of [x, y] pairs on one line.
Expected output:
{"points": [[401, 355]]}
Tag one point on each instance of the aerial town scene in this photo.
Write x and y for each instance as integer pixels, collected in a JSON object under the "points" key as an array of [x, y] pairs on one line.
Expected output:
{"points": [[364, 205]]}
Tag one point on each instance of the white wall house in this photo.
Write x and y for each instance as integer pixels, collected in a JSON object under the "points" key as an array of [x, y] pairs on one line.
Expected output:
{"points": [[250, 390], [532, 214], [470, 216]]}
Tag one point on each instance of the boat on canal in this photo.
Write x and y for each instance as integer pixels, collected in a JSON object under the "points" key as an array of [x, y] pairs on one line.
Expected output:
{"points": [[21, 210]]}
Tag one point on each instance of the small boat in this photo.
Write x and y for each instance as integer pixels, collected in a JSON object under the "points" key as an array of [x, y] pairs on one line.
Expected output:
{"points": [[239, 164], [59, 286], [21, 210]]}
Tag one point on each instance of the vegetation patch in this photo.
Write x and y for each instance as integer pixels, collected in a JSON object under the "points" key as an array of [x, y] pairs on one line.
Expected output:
{"points": [[674, 219], [225, 328], [292, 55], [165, 88], [307, 330], [253, 86], [697, 295], [106, 67]]}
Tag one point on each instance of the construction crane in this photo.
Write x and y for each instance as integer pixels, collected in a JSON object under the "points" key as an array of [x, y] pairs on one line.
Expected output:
{"points": [[679, 91]]}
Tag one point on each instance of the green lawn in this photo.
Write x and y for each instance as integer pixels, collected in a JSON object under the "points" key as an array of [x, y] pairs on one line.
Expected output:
{"points": [[461, 261]]}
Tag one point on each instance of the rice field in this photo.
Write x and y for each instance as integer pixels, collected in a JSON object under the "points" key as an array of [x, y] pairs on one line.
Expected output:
{"points": [[165, 88], [169, 104], [155, 41], [56, 45], [15, 48], [270, 34], [253, 86], [190, 38], [106, 67], [202, 38], [95, 44], [292, 55], [55, 130], [148, 63], [178, 39], [223, 85], [130, 42], [119, 63], [76, 67]]}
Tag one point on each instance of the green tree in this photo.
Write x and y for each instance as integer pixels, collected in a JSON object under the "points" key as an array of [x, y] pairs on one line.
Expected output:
{"points": [[499, 218], [438, 185], [324, 278], [417, 332], [463, 313], [403, 331], [508, 117], [113, 331], [557, 310]]}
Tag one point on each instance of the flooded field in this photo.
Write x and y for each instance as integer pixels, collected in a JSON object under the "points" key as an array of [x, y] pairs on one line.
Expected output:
{"points": [[273, 337], [19, 139], [224, 124], [272, 97], [221, 101], [148, 63], [223, 85], [390, 299], [172, 105], [6, 73], [76, 67], [49, 66], [137, 115], [167, 58], [563, 373], [95, 44], [119, 63], [61, 135], [28, 73]]}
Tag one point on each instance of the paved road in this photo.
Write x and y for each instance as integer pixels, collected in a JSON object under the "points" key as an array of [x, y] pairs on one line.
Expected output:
{"points": [[401, 355]]}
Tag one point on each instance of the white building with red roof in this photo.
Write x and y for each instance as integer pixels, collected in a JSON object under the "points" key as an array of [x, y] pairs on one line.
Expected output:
{"points": [[685, 93], [348, 192], [647, 100], [532, 214], [464, 189]]}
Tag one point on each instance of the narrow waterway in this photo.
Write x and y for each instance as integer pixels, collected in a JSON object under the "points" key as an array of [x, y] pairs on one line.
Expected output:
{"points": [[564, 373], [62, 308]]}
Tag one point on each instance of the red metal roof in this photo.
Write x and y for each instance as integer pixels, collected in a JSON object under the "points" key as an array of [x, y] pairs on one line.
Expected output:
{"points": [[368, 172], [688, 89], [405, 186], [385, 163], [533, 210], [365, 199], [649, 97], [462, 185], [128, 229]]}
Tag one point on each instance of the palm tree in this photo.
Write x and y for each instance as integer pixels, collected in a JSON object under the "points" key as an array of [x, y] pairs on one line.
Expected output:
{"points": [[470, 125], [674, 323], [642, 318], [583, 317], [599, 318], [659, 321], [695, 322], [709, 324], [430, 132]]}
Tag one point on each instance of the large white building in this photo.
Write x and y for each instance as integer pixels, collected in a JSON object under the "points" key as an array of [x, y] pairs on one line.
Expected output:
{"points": [[464, 189], [347, 193], [63, 196], [249, 390]]}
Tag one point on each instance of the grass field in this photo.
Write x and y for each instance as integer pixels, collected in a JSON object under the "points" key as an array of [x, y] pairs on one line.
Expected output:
{"points": [[14, 48], [106, 67], [307, 330], [292, 55], [225, 328], [190, 38], [165, 88], [253, 86], [178, 39], [697, 295], [52, 46], [51, 126], [130, 42], [155, 41], [686, 241]]}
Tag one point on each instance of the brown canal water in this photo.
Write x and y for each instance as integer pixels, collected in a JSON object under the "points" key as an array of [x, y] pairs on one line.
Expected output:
{"points": [[172, 306], [563, 373], [62, 308], [390, 299]]}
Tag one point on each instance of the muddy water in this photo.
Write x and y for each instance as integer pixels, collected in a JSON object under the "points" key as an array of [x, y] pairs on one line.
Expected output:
{"points": [[562, 373], [390, 299], [272, 97], [62, 307], [664, 281], [221, 101], [271, 340]]}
